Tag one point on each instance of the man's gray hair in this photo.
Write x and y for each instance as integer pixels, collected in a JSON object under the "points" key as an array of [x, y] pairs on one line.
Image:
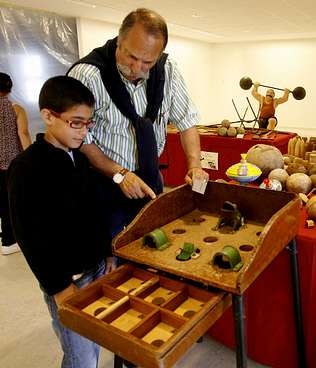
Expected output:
{"points": [[153, 23]]}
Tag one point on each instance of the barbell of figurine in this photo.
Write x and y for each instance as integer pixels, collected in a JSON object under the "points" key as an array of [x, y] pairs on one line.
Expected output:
{"points": [[298, 93]]}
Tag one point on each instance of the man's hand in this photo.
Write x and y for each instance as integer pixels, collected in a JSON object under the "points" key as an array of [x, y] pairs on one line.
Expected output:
{"points": [[134, 187], [111, 264], [62, 295], [195, 173]]}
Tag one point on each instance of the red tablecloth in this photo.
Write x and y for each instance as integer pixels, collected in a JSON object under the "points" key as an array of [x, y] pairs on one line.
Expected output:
{"points": [[228, 149], [270, 326]]}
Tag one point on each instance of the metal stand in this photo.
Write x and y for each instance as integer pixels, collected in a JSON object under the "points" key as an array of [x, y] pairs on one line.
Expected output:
{"points": [[239, 317], [297, 304], [118, 362]]}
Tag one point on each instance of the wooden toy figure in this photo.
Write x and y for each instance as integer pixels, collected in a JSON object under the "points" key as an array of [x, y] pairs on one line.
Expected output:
{"points": [[268, 104]]}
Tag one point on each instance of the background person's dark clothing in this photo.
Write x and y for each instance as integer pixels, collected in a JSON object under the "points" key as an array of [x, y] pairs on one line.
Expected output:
{"points": [[55, 214], [6, 228], [10, 147]]}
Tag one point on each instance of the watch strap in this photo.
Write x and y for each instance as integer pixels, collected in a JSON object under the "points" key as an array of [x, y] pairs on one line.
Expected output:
{"points": [[123, 171]]}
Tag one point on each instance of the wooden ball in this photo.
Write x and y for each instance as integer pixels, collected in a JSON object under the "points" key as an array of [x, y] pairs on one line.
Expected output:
{"points": [[311, 211], [301, 169], [290, 169], [231, 132], [313, 179], [298, 160], [312, 169], [287, 160], [240, 130], [311, 202], [222, 131], [226, 123], [265, 157], [299, 183]]}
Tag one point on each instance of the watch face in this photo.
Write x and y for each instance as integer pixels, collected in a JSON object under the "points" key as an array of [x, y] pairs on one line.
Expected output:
{"points": [[118, 178]]}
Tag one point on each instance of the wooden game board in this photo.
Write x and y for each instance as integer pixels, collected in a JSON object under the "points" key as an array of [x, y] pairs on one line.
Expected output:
{"points": [[272, 220], [149, 312]]}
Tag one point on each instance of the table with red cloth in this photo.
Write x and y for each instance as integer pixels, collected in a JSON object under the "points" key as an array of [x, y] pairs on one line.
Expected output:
{"points": [[228, 148], [270, 324]]}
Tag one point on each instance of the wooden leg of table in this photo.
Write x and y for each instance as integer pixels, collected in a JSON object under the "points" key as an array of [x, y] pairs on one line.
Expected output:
{"points": [[297, 304], [239, 317], [118, 362]]}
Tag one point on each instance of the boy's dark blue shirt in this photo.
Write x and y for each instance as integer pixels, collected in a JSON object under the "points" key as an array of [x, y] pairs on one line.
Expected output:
{"points": [[56, 215]]}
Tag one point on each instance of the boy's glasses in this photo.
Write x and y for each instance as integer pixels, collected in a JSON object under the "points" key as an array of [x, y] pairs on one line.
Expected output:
{"points": [[75, 124]]}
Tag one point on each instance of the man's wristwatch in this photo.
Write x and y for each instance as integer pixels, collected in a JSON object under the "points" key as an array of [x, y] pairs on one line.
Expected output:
{"points": [[119, 176]]}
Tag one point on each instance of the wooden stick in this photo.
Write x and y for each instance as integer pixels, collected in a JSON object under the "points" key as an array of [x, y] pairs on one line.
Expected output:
{"points": [[144, 286], [112, 307]]}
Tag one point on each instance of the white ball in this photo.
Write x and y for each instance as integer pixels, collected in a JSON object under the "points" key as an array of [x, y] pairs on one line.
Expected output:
{"points": [[279, 174]]}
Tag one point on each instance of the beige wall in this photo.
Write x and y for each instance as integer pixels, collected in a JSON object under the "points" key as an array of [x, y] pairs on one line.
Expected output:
{"points": [[212, 73], [195, 60], [93, 33], [277, 63]]}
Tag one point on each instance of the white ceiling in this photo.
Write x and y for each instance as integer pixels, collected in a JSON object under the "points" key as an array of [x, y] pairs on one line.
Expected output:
{"points": [[208, 20]]}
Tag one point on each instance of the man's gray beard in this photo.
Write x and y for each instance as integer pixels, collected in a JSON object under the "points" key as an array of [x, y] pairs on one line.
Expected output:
{"points": [[126, 71]]}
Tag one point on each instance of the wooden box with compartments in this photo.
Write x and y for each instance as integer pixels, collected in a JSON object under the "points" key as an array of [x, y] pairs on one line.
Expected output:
{"points": [[152, 309], [148, 319]]}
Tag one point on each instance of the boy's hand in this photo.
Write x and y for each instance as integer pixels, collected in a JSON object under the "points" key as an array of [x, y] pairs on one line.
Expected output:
{"points": [[62, 295], [111, 264]]}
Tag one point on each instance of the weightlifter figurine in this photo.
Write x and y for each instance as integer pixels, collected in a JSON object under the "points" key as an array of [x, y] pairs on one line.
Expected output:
{"points": [[268, 104]]}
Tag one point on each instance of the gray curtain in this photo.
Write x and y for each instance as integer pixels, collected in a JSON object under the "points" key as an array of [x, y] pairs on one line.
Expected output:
{"points": [[35, 46]]}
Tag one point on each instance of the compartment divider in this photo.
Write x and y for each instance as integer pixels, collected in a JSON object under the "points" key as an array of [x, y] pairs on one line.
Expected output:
{"points": [[141, 323], [148, 324], [176, 300]]}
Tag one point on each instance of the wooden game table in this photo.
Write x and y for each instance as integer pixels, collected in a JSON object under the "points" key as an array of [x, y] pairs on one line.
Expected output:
{"points": [[152, 309]]}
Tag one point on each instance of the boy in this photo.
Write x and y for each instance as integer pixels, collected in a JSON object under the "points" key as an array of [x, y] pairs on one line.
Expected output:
{"points": [[55, 214]]}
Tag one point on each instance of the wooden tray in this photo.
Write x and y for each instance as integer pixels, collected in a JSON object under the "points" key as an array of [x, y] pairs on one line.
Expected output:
{"points": [[148, 319], [272, 220]]}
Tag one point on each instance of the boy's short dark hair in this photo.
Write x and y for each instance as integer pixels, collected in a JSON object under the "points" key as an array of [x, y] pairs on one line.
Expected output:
{"points": [[5, 83], [61, 93]]}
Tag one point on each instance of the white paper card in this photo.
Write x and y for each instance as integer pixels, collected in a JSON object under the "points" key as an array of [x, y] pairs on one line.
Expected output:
{"points": [[199, 185]]}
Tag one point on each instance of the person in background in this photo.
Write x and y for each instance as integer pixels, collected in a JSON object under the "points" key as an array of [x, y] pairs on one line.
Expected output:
{"points": [[268, 104], [138, 90], [55, 211], [14, 137]]}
